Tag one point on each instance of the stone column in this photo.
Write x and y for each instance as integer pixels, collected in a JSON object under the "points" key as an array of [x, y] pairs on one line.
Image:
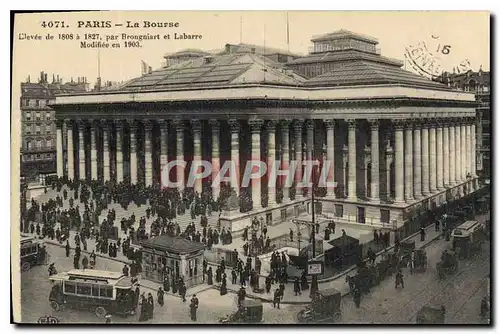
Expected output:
{"points": [[59, 149], [235, 151], [93, 150], [458, 152], [285, 152], [105, 148], [473, 149], [196, 127], [81, 147], [297, 126], [310, 150], [425, 159], [119, 151], [148, 153], [463, 148], [439, 156], [133, 151], [452, 152], [446, 155], [215, 156], [468, 148], [271, 158], [330, 156], [399, 162], [374, 152], [417, 161], [432, 159], [255, 127], [163, 146], [408, 162], [351, 184], [179, 128], [389, 159], [71, 148]]}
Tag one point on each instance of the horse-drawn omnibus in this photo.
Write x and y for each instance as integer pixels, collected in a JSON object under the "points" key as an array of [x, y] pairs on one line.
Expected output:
{"points": [[33, 253], [467, 238], [99, 291]]}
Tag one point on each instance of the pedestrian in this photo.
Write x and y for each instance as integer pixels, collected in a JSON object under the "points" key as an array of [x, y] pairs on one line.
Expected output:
{"points": [[67, 248], [399, 279], [144, 309], [296, 286], [76, 261], [356, 295], [125, 270], [234, 277], [85, 262], [210, 279], [282, 288], [137, 294], [241, 295], [108, 318], [422, 234], [192, 308], [437, 225], [182, 292], [166, 283], [291, 235], [223, 287], [160, 294], [151, 306], [314, 286], [268, 283], [276, 298]]}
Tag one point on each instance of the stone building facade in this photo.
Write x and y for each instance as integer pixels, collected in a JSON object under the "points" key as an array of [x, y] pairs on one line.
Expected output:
{"points": [[399, 142]]}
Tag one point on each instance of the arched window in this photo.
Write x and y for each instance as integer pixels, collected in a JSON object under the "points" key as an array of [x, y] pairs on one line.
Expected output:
{"points": [[38, 143], [472, 85], [29, 144]]}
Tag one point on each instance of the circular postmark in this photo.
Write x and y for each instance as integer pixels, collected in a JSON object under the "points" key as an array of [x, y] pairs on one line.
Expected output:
{"points": [[428, 57], [48, 320]]}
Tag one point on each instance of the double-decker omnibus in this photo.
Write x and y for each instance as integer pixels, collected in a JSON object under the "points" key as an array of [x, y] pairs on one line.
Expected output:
{"points": [[102, 292], [33, 253]]}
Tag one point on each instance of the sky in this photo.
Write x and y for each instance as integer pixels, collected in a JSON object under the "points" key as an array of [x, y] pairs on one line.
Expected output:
{"points": [[467, 34]]}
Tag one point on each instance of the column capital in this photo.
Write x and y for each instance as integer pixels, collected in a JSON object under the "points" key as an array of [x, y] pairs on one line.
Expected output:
{"points": [[132, 123], [409, 124], [310, 124], [148, 125], [351, 123], [284, 124], [163, 123], [234, 124], [178, 124], [374, 123], [298, 124], [81, 123], [255, 125], [271, 125], [118, 124], [195, 125], [329, 123], [59, 123], [214, 123], [399, 124], [104, 123], [68, 121]]}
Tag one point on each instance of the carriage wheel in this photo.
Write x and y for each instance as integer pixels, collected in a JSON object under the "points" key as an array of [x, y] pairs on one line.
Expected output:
{"points": [[100, 312], [55, 305], [25, 266]]}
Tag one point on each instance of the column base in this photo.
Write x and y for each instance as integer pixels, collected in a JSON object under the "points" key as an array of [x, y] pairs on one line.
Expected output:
{"points": [[272, 204], [426, 194], [353, 199], [374, 200], [441, 189]]}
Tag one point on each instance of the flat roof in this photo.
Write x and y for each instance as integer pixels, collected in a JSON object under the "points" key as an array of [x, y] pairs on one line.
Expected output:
{"points": [[468, 224], [95, 273]]}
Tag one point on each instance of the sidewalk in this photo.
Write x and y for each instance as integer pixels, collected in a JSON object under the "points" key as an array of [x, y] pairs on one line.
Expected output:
{"points": [[337, 282]]}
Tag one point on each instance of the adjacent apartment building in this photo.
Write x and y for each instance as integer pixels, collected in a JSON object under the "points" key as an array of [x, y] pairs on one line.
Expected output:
{"points": [[478, 82], [38, 127]]}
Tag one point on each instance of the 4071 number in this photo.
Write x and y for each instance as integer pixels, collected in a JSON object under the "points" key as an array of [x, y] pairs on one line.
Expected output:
{"points": [[53, 24]]}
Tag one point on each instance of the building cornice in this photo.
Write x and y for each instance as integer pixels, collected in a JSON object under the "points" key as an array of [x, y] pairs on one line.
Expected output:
{"points": [[269, 92]]}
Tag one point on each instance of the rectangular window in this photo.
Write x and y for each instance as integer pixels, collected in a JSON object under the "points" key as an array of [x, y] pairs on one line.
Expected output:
{"points": [[48, 116], [37, 115], [385, 216], [37, 103], [106, 292], [83, 289], [283, 214], [26, 103], [69, 287], [339, 210], [95, 290]]}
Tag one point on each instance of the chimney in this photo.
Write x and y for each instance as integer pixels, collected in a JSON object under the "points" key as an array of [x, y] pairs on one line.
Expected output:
{"points": [[41, 77], [53, 78], [46, 78], [58, 81]]}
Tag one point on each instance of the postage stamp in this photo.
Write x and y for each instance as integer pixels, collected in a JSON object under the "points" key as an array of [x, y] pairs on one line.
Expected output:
{"points": [[250, 167]]}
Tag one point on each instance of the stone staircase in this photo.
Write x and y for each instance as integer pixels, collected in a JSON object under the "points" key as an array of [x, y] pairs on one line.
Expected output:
{"points": [[139, 211]]}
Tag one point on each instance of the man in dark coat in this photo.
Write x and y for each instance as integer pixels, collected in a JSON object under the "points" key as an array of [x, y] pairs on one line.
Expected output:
{"points": [[67, 248], [125, 270], [234, 277], [241, 295], [296, 286], [210, 279], [192, 309], [76, 261], [268, 283], [160, 294], [277, 298], [182, 291], [422, 234], [356, 295], [166, 283]]}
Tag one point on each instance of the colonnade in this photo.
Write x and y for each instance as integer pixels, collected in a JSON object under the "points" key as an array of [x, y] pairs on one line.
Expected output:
{"points": [[428, 154]]}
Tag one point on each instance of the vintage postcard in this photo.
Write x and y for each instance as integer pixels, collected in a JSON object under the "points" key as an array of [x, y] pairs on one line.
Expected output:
{"points": [[260, 167]]}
